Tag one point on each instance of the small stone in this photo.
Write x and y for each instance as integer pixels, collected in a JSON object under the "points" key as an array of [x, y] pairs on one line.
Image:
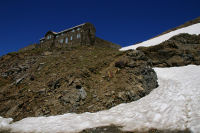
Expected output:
{"points": [[94, 96], [19, 80], [83, 93], [46, 53]]}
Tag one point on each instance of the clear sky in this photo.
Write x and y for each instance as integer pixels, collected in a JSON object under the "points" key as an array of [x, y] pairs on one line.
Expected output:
{"points": [[125, 22]]}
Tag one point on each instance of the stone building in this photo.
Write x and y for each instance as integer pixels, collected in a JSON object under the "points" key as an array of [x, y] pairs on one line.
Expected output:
{"points": [[83, 34]]}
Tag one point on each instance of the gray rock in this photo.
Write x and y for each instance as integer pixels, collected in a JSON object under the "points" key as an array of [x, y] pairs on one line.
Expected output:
{"points": [[19, 80], [46, 53], [40, 66], [83, 93]]}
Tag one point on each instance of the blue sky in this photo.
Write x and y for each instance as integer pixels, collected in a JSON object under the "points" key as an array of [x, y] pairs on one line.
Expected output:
{"points": [[125, 22]]}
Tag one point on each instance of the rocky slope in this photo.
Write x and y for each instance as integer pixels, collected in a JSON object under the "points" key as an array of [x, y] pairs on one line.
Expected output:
{"points": [[179, 50], [78, 79], [115, 129]]}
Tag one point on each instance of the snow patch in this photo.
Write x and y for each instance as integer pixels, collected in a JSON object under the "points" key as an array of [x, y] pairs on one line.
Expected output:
{"points": [[5, 123], [193, 29]]}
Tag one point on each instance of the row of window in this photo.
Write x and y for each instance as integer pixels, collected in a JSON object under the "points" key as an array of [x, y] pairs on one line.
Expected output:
{"points": [[71, 38], [74, 30], [78, 35]]}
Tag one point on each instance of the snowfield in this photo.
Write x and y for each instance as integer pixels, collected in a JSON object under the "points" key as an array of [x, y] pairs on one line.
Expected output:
{"points": [[175, 104], [193, 29]]}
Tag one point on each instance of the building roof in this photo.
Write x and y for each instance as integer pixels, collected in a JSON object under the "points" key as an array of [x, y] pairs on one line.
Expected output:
{"points": [[71, 28], [54, 32], [65, 30]]}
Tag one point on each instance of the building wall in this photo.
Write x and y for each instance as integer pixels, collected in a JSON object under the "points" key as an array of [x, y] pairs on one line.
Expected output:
{"points": [[47, 43], [79, 35]]}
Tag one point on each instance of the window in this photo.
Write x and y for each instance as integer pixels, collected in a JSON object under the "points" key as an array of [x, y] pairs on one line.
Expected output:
{"points": [[78, 29], [78, 35], [66, 40], [57, 36], [71, 38], [61, 40], [73, 30], [49, 37]]}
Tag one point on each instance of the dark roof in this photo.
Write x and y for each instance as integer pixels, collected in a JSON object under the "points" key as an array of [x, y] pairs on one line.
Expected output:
{"points": [[55, 33]]}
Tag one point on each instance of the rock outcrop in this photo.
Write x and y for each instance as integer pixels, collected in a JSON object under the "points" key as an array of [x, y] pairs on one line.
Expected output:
{"points": [[116, 129], [180, 50]]}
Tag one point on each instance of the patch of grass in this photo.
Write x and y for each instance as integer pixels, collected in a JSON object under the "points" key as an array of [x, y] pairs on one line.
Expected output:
{"points": [[12, 53]]}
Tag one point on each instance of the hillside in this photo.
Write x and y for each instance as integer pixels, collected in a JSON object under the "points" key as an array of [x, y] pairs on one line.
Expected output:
{"points": [[75, 79]]}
